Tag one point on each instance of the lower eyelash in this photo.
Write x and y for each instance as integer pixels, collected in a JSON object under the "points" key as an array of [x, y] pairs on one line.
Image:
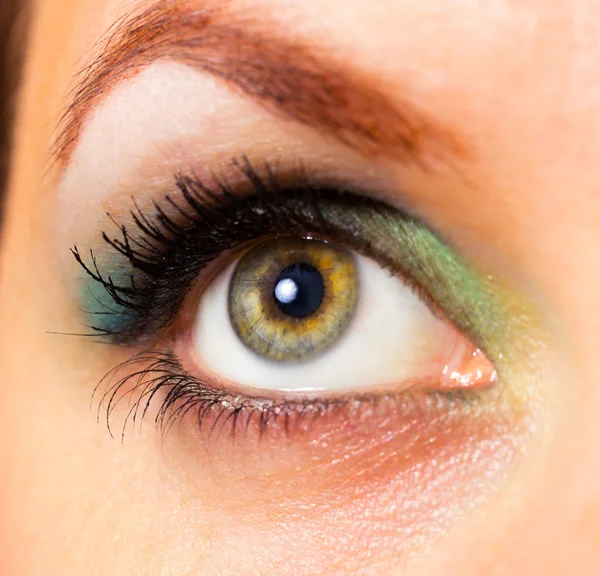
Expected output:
{"points": [[184, 393], [222, 413]]}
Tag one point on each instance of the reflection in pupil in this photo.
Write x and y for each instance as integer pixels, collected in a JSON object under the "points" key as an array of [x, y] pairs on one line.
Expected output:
{"points": [[299, 290]]}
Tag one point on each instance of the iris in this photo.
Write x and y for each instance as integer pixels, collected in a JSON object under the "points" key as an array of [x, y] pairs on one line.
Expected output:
{"points": [[292, 298]]}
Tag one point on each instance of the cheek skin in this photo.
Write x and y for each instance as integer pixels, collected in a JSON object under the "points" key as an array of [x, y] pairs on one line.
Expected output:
{"points": [[408, 470]]}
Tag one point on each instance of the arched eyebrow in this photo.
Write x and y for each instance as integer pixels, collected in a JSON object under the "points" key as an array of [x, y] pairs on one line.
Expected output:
{"points": [[298, 81]]}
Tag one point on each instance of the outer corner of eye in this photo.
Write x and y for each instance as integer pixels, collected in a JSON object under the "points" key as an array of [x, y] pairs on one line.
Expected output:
{"points": [[305, 316]]}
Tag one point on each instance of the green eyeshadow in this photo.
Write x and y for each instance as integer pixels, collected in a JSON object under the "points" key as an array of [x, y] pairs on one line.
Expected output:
{"points": [[494, 317]]}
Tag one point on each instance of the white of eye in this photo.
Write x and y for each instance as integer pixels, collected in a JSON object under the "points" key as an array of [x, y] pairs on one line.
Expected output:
{"points": [[393, 340]]}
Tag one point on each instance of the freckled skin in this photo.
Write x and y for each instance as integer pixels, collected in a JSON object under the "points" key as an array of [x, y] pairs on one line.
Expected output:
{"points": [[507, 486]]}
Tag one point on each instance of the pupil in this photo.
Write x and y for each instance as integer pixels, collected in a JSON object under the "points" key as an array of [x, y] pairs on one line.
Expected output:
{"points": [[299, 290]]}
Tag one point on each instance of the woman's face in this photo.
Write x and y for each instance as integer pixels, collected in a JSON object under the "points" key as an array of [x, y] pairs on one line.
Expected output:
{"points": [[303, 288]]}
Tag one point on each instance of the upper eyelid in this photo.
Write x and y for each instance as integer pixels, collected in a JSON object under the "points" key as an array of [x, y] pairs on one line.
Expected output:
{"points": [[288, 78], [151, 232]]}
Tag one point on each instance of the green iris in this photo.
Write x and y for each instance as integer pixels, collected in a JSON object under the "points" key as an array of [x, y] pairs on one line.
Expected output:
{"points": [[291, 298]]}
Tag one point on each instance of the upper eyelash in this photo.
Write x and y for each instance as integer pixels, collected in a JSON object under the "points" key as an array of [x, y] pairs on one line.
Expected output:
{"points": [[209, 221]]}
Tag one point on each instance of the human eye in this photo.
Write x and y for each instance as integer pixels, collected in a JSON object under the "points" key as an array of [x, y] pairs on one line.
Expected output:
{"points": [[284, 305], [249, 305]]}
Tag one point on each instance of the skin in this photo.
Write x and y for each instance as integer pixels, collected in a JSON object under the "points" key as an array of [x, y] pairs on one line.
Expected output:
{"points": [[519, 81]]}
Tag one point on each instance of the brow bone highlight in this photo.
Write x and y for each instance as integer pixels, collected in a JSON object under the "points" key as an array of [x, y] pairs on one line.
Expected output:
{"points": [[294, 80]]}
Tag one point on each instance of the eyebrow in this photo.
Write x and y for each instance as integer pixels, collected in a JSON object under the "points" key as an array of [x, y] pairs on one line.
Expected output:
{"points": [[297, 81]]}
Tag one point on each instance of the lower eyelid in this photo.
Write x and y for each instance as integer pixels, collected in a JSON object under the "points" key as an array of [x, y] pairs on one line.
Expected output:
{"points": [[411, 464], [155, 382], [388, 434]]}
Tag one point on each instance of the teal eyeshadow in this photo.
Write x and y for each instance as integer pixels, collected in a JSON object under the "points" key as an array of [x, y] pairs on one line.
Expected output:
{"points": [[102, 314]]}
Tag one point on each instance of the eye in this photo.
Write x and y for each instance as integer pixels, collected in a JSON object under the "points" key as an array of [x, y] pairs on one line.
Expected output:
{"points": [[333, 298], [303, 315]]}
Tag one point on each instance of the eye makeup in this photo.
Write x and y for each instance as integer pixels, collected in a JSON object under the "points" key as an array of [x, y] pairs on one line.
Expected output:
{"points": [[134, 293], [155, 259]]}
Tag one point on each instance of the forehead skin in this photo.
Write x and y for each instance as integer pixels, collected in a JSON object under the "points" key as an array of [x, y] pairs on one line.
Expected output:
{"points": [[519, 79]]}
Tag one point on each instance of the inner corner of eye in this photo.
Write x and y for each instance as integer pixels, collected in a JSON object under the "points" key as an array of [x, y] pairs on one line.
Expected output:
{"points": [[302, 315]]}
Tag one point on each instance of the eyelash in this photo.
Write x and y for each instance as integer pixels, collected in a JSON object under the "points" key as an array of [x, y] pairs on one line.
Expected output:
{"points": [[216, 409], [170, 251]]}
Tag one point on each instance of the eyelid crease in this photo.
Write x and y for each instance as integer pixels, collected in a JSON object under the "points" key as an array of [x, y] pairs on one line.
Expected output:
{"points": [[288, 78]]}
